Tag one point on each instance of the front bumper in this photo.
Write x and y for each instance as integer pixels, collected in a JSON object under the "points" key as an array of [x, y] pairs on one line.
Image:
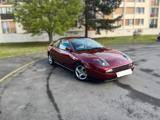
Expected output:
{"points": [[103, 75]]}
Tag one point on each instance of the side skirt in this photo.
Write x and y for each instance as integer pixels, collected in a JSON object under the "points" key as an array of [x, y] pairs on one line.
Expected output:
{"points": [[64, 66]]}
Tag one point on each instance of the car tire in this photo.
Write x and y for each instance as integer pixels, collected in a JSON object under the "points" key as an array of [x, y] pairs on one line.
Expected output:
{"points": [[80, 72], [50, 60]]}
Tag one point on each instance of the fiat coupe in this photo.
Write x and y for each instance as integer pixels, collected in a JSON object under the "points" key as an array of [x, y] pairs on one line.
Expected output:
{"points": [[86, 58]]}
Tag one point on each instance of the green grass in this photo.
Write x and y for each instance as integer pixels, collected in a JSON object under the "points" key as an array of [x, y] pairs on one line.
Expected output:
{"points": [[147, 39], [17, 49]]}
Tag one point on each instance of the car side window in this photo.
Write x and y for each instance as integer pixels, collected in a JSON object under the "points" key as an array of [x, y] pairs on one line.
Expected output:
{"points": [[64, 44]]}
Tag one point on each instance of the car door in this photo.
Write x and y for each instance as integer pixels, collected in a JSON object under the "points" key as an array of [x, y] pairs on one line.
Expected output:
{"points": [[65, 57], [55, 50]]}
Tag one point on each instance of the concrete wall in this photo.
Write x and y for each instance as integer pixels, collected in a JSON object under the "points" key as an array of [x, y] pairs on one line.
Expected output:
{"points": [[7, 38], [21, 37], [123, 32]]}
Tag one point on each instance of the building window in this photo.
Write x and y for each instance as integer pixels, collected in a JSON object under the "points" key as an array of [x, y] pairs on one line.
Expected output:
{"points": [[120, 22], [129, 22], [139, 21], [154, 2], [154, 12], [130, 0], [7, 1], [8, 27], [130, 10], [2, 1], [140, 10], [6, 10], [140, 0], [153, 23], [119, 11]]}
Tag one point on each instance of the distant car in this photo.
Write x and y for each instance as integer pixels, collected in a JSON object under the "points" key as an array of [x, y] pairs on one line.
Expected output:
{"points": [[88, 58]]}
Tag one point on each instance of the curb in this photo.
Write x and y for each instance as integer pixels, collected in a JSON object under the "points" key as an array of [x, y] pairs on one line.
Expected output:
{"points": [[16, 71]]}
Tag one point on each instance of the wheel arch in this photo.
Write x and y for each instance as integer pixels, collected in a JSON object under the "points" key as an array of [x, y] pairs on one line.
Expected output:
{"points": [[79, 62]]}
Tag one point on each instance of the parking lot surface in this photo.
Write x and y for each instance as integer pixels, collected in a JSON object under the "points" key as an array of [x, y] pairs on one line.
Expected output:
{"points": [[9, 64], [44, 92]]}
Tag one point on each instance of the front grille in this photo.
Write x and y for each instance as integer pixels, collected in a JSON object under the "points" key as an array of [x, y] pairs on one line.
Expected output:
{"points": [[121, 68]]}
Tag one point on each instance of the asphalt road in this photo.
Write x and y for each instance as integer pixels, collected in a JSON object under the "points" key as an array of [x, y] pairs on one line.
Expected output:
{"points": [[44, 92], [7, 65]]}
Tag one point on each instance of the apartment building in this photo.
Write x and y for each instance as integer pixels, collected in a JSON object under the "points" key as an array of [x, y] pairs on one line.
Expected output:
{"points": [[138, 15], [10, 31], [7, 24], [141, 16]]}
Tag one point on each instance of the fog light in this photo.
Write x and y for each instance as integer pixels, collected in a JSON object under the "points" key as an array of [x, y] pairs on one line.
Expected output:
{"points": [[109, 71]]}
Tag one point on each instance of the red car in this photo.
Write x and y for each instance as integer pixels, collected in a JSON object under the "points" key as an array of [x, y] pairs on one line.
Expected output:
{"points": [[87, 58]]}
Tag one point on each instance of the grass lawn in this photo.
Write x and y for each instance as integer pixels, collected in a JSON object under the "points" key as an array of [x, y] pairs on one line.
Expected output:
{"points": [[147, 39], [17, 49]]}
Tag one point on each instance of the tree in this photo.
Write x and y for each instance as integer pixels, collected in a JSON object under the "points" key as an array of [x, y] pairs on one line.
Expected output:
{"points": [[95, 13], [50, 16]]}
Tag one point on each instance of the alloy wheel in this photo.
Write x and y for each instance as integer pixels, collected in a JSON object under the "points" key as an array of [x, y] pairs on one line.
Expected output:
{"points": [[50, 60], [81, 73]]}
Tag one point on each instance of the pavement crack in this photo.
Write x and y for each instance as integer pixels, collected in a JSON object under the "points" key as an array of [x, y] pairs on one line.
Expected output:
{"points": [[137, 95], [51, 96]]}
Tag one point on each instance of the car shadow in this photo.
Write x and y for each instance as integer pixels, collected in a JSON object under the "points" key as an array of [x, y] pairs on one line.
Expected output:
{"points": [[71, 74], [90, 80]]}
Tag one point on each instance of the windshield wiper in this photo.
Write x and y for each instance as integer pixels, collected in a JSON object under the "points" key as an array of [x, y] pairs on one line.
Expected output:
{"points": [[91, 48], [96, 48]]}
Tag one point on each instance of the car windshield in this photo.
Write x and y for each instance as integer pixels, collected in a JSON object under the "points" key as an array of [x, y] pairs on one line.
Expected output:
{"points": [[85, 44]]}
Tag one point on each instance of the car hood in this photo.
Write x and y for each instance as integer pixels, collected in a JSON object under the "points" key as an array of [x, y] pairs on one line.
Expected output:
{"points": [[113, 57]]}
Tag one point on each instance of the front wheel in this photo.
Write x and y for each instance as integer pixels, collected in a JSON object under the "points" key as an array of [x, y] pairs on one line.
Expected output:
{"points": [[81, 73], [50, 60]]}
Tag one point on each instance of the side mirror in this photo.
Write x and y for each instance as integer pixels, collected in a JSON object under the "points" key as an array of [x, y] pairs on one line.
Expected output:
{"points": [[69, 49], [51, 44]]}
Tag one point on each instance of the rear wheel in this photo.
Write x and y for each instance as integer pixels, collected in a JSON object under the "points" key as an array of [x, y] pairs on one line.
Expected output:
{"points": [[50, 60], [81, 73]]}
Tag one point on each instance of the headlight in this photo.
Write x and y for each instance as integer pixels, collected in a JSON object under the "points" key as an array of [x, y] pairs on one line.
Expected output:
{"points": [[101, 62]]}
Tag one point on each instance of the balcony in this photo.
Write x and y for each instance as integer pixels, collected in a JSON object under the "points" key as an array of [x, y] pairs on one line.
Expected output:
{"points": [[153, 25], [6, 2], [153, 15], [155, 3], [7, 16]]}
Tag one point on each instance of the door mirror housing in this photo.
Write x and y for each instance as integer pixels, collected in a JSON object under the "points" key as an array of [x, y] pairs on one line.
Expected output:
{"points": [[69, 49], [51, 44]]}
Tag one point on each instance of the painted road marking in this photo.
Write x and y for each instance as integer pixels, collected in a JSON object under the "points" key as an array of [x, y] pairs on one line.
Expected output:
{"points": [[16, 70]]}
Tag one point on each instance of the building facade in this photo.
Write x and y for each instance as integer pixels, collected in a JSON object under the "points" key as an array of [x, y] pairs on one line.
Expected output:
{"points": [[138, 15], [141, 16], [7, 24]]}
